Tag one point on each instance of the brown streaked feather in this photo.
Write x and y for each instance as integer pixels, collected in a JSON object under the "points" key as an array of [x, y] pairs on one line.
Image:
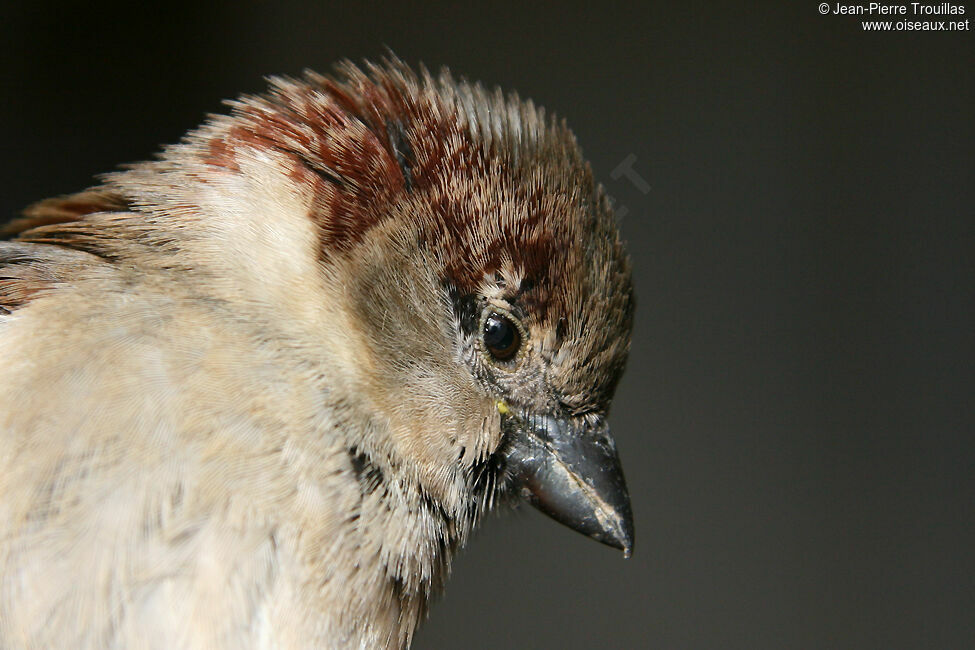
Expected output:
{"points": [[64, 209], [29, 271], [50, 243]]}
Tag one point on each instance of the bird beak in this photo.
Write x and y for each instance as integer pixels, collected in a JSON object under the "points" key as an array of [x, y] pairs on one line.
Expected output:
{"points": [[569, 469]]}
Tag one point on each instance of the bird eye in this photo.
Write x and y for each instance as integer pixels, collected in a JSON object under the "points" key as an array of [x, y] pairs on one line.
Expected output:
{"points": [[501, 337]]}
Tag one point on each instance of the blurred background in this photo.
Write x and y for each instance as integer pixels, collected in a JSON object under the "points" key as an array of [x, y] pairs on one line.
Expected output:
{"points": [[796, 422]]}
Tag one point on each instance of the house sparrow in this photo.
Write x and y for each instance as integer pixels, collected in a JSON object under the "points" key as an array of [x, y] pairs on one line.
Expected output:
{"points": [[256, 393]]}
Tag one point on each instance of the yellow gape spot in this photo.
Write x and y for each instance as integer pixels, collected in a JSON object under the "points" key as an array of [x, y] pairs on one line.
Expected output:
{"points": [[502, 408]]}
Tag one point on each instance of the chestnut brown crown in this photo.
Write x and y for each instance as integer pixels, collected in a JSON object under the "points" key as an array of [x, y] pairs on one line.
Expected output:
{"points": [[498, 191]]}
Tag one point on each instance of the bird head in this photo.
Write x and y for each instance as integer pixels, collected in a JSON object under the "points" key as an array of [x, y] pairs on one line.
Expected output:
{"points": [[470, 289]]}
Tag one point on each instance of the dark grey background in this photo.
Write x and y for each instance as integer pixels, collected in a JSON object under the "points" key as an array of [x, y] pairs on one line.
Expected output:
{"points": [[796, 421]]}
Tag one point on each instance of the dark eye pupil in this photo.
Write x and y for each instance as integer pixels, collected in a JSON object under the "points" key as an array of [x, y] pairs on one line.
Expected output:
{"points": [[501, 337]]}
